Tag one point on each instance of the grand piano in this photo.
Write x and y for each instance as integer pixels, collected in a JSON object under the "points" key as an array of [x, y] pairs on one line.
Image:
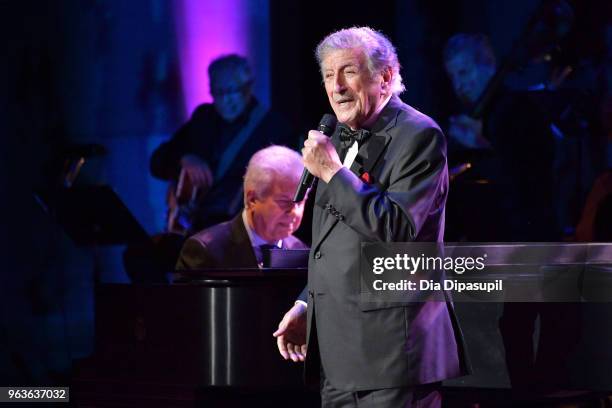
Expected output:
{"points": [[206, 340], [207, 335]]}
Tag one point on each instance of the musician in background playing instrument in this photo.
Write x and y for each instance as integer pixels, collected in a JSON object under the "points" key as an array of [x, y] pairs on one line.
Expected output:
{"points": [[207, 156], [514, 135], [515, 146], [205, 161]]}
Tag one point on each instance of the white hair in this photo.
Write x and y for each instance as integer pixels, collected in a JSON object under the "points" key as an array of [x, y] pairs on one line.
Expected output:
{"points": [[379, 51], [270, 165]]}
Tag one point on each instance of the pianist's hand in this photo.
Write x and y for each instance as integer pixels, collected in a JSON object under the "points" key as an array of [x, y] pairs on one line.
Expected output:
{"points": [[291, 334]]}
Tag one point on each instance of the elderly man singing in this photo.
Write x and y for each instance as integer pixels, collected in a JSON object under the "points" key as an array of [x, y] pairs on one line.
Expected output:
{"points": [[382, 177]]}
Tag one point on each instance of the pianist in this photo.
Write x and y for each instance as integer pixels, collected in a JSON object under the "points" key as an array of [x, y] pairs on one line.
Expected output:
{"points": [[268, 219]]}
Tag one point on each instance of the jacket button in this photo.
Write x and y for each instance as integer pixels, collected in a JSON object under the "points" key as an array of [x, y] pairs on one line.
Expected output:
{"points": [[317, 255]]}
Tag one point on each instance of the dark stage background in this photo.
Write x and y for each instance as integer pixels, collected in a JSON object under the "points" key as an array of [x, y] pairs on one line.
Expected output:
{"points": [[112, 72]]}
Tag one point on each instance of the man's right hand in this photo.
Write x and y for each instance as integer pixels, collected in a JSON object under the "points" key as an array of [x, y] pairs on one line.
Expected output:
{"points": [[198, 171], [291, 334]]}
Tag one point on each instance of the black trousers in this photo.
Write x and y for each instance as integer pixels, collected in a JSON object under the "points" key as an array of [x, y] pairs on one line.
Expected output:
{"points": [[423, 396]]}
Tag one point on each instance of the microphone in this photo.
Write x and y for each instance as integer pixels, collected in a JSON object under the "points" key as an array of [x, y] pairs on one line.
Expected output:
{"points": [[326, 126]]}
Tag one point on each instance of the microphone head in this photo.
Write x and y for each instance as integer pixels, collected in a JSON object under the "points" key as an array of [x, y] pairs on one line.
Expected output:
{"points": [[327, 124]]}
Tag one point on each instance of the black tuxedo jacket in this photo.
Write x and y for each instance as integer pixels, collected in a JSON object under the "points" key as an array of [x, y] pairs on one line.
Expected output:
{"points": [[362, 345], [225, 245]]}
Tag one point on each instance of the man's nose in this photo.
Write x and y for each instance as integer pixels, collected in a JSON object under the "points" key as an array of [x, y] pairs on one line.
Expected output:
{"points": [[339, 84], [226, 99]]}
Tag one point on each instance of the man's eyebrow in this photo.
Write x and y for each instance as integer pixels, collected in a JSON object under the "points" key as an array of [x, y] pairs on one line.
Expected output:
{"points": [[347, 65]]}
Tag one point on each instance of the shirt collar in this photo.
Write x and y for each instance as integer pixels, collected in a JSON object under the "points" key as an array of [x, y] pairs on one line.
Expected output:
{"points": [[255, 239]]}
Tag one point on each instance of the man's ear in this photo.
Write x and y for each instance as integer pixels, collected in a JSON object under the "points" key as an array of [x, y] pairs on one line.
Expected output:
{"points": [[386, 78], [251, 197]]}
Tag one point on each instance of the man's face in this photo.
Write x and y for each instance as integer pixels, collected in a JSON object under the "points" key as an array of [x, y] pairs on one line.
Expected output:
{"points": [[276, 216], [231, 94], [353, 93], [469, 78]]}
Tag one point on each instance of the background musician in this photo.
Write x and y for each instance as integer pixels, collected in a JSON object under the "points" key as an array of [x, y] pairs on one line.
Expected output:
{"points": [[268, 219], [212, 149]]}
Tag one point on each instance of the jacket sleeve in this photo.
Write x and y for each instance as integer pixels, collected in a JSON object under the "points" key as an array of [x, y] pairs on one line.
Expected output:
{"points": [[194, 255], [417, 181], [303, 296], [165, 160]]}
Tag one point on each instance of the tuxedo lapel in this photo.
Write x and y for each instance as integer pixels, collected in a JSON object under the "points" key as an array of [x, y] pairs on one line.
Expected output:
{"points": [[367, 158], [369, 154], [240, 238]]}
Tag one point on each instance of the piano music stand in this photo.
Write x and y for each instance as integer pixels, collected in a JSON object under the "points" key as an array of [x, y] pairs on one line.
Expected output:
{"points": [[92, 216]]}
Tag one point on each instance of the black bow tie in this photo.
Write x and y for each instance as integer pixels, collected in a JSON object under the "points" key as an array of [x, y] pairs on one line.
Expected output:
{"points": [[348, 136]]}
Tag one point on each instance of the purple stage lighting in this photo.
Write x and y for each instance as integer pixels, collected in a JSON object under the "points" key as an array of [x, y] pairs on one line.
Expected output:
{"points": [[207, 29]]}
